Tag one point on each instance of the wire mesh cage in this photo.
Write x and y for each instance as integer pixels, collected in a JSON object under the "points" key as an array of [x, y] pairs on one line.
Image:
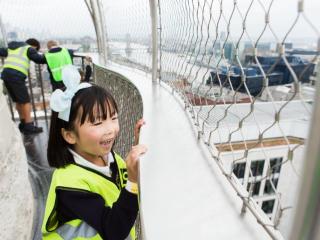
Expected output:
{"points": [[245, 71]]}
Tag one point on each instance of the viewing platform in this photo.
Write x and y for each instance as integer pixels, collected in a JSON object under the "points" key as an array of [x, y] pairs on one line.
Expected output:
{"points": [[229, 91]]}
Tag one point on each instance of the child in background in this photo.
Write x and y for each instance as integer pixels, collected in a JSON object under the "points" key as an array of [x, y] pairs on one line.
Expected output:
{"points": [[93, 192]]}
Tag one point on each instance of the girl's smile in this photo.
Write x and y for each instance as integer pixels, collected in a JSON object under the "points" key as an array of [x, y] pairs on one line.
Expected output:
{"points": [[107, 143]]}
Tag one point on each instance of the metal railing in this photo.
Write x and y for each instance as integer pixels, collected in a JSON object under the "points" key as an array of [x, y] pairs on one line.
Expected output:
{"points": [[40, 105], [212, 76]]}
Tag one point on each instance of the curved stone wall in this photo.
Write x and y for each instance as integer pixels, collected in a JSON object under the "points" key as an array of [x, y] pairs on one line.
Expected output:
{"points": [[16, 199]]}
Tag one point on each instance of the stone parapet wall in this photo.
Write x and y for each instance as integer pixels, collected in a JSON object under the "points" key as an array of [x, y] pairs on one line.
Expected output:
{"points": [[16, 199]]}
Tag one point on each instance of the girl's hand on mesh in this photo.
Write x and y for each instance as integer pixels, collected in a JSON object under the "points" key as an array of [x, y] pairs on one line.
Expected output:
{"points": [[137, 128], [132, 161]]}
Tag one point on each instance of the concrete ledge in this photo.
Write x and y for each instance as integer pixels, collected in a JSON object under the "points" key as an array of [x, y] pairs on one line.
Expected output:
{"points": [[16, 199]]}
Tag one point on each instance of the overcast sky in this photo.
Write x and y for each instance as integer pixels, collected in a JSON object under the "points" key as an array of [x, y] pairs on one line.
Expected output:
{"points": [[70, 18]]}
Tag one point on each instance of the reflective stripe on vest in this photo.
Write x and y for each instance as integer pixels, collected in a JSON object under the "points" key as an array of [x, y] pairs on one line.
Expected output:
{"points": [[56, 61], [18, 59], [76, 178], [81, 230], [74, 230]]}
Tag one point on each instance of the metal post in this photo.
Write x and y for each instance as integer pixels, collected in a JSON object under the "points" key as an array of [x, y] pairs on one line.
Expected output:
{"points": [[42, 93], [82, 64], [32, 100], [103, 29], [154, 26], [96, 18], [307, 217], [10, 106], [94, 73]]}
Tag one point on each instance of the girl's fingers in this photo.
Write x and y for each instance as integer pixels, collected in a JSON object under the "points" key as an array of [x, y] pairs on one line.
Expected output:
{"points": [[140, 123], [137, 151], [137, 128]]}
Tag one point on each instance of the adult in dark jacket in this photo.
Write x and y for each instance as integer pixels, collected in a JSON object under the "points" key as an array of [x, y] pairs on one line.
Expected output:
{"points": [[14, 74]]}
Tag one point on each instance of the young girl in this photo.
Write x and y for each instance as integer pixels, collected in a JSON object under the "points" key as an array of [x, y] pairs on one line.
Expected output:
{"points": [[93, 192]]}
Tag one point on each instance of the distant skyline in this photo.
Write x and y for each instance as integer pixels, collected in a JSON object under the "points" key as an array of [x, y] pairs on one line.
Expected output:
{"points": [[71, 18]]}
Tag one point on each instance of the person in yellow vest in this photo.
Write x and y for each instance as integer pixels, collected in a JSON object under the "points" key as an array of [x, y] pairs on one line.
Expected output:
{"points": [[93, 191], [56, 58], [14, 74]]}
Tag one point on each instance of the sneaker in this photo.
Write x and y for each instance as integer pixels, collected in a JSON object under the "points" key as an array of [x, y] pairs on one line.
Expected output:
{"points": [[29, 128]]}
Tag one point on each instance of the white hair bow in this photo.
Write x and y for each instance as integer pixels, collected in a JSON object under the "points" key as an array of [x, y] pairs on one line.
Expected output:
{"points": [[61, 100]]}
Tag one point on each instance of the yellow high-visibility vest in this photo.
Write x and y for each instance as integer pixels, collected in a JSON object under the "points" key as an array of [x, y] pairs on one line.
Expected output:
{"points": [[18, 59], [56, 61], [75, 178]]}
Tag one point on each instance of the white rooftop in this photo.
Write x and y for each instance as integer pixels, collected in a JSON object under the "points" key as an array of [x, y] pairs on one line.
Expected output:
{"points": [[293, 120]]}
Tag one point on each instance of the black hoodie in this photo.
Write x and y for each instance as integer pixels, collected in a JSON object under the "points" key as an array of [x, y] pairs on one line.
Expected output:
{"points": [[33, 55]]}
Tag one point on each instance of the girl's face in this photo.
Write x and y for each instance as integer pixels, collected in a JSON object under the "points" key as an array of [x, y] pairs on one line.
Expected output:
{"points": [[95, 140]]}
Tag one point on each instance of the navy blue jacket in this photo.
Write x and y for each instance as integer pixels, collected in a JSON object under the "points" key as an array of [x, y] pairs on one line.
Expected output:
{"points": [[12, 74]]}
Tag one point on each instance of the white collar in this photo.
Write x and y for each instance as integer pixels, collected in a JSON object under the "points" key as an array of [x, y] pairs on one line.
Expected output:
{"points": [[85, 163]]}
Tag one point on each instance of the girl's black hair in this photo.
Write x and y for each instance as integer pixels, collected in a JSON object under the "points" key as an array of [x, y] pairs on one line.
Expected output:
{"points": [[87, 104]]}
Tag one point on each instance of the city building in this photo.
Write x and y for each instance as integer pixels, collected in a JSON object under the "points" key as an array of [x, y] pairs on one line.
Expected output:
{"points": [[257, 161]]}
